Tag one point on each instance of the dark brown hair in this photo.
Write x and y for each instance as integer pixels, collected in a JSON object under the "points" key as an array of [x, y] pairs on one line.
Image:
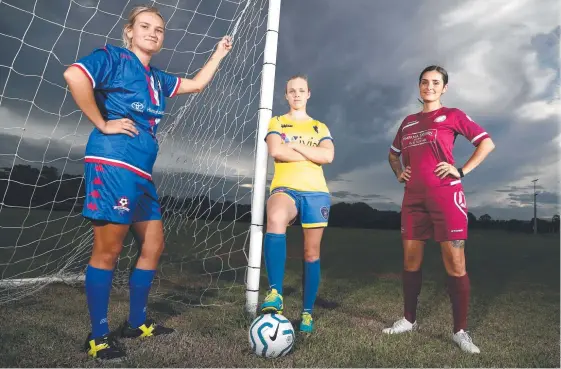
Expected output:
{"points": [[437, 68]]}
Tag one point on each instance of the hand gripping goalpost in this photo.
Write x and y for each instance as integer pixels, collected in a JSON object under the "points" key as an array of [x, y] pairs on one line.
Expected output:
{"points": [[211, 171]]}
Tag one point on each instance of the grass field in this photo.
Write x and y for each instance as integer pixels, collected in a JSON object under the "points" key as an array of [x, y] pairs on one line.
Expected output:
{"points": [[514, 315]]}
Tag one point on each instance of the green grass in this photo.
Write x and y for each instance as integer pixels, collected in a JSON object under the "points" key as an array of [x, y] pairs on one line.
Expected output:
{"points": [[514, 312]]}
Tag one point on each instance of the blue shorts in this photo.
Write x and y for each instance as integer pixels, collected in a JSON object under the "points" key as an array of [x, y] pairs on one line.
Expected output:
{"points": [[313, 207], [117, 195]]}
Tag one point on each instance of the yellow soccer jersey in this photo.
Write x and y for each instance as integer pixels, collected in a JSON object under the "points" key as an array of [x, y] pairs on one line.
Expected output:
{"points": [[300, 175]]}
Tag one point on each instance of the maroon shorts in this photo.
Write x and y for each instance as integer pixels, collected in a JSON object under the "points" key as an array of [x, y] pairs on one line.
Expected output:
{"points": [[439, 213]]}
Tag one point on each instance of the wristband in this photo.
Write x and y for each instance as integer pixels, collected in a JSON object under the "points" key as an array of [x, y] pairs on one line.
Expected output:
{"points": [[461, 172]]}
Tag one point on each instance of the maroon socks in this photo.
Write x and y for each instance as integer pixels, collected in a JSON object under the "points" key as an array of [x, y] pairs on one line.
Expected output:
{"points": [[459, 289], [411, 288]]}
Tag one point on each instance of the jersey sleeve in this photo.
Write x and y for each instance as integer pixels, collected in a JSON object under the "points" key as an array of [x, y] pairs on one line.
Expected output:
{"points": [[274, 127], [395, 147], [170, 83], [465, 126], [324, 133], [98, 67]]}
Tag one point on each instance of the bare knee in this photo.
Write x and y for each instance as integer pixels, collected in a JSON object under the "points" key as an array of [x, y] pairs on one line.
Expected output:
{"points": [[311, 254], [413, 255], [454, 258], [151, 251], [277, 222], [412, 262], [105, 255], [455, 267]]}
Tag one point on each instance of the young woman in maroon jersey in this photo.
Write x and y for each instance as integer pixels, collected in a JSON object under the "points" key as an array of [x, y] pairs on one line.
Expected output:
{"points": [[434, 204]]}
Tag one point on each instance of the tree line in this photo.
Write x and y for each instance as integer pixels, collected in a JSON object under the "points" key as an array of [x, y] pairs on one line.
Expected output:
{"points": [[30, 187]]}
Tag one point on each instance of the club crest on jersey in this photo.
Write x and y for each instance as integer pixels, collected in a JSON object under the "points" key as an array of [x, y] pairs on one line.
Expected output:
{"points": [[439, 119], [324, 212], [122, 205], [138, 106], [285, 138]]}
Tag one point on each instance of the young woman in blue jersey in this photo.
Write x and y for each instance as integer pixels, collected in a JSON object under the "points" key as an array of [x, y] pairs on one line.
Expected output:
{"points": [[300, 146], [124, 97]]}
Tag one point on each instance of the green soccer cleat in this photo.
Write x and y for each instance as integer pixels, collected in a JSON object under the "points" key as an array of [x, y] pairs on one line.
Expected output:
{"points": [[273, 303], [148, 329], [307, 323], [104, 348]]}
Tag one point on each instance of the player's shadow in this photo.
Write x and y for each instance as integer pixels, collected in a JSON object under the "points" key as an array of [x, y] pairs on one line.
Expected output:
{"points": [[322, 303], [326, 304]]}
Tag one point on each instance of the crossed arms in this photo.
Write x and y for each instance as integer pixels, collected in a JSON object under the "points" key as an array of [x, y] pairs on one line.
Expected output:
{"points": [[291, 152]]}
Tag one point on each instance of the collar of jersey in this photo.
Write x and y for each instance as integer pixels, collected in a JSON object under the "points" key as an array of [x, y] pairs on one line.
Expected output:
{"points": [[430, 113], [146, 69], [286, 119]]}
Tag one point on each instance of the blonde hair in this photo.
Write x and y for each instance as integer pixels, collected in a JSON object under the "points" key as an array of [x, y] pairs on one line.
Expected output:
{"points": [[132, 18]]}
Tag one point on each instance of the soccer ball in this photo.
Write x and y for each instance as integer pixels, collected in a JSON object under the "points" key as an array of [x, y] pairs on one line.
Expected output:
{"points": [[123, 201], [271, 335]]}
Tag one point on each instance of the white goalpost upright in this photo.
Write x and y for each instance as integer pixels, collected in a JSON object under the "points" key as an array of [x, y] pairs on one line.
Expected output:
{"points": [[261, 156]]}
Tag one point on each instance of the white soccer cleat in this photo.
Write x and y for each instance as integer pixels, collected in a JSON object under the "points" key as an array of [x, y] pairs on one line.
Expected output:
{"points": [[464, 341], [401, 326]]}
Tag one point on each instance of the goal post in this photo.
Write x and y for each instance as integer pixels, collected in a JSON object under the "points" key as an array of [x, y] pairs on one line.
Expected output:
{"points": [[211, 169], [261, 157]]}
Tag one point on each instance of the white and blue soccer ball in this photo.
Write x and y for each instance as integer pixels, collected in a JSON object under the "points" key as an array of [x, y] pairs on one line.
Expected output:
{"points": [[271, 336]]}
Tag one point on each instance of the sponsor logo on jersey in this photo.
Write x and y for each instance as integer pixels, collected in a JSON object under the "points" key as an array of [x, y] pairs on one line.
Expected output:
{"points": [[316, 129], [138, 106], [440, 118], [286, 126], [153, 111], [418, 138]]}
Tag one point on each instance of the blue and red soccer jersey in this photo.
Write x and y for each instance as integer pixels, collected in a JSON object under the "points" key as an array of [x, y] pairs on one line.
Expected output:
{"points": [[123, 88], [433, 207]]}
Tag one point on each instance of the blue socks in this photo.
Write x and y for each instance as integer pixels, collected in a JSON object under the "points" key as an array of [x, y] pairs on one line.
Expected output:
{"points": [[139, 284], [311, 284], [275, 259], [98, 289]]}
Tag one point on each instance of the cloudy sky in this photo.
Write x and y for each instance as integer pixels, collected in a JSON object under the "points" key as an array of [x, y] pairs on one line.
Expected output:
{"points": [[362, 57]]}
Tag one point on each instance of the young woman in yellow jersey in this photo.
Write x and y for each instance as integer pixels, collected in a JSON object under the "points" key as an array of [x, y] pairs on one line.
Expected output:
{"points": [[300, 146]]}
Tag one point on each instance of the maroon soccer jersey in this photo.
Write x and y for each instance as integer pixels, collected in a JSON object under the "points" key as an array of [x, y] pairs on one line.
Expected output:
{"points": [[426, 139]]}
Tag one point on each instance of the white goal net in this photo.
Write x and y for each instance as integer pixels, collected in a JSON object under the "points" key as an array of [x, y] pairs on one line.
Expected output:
{"points": [[207, 145]]}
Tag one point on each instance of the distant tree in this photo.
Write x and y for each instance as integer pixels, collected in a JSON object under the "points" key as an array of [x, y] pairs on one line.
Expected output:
{"points": [[555, 223], [485, 218], [472, 220]]}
